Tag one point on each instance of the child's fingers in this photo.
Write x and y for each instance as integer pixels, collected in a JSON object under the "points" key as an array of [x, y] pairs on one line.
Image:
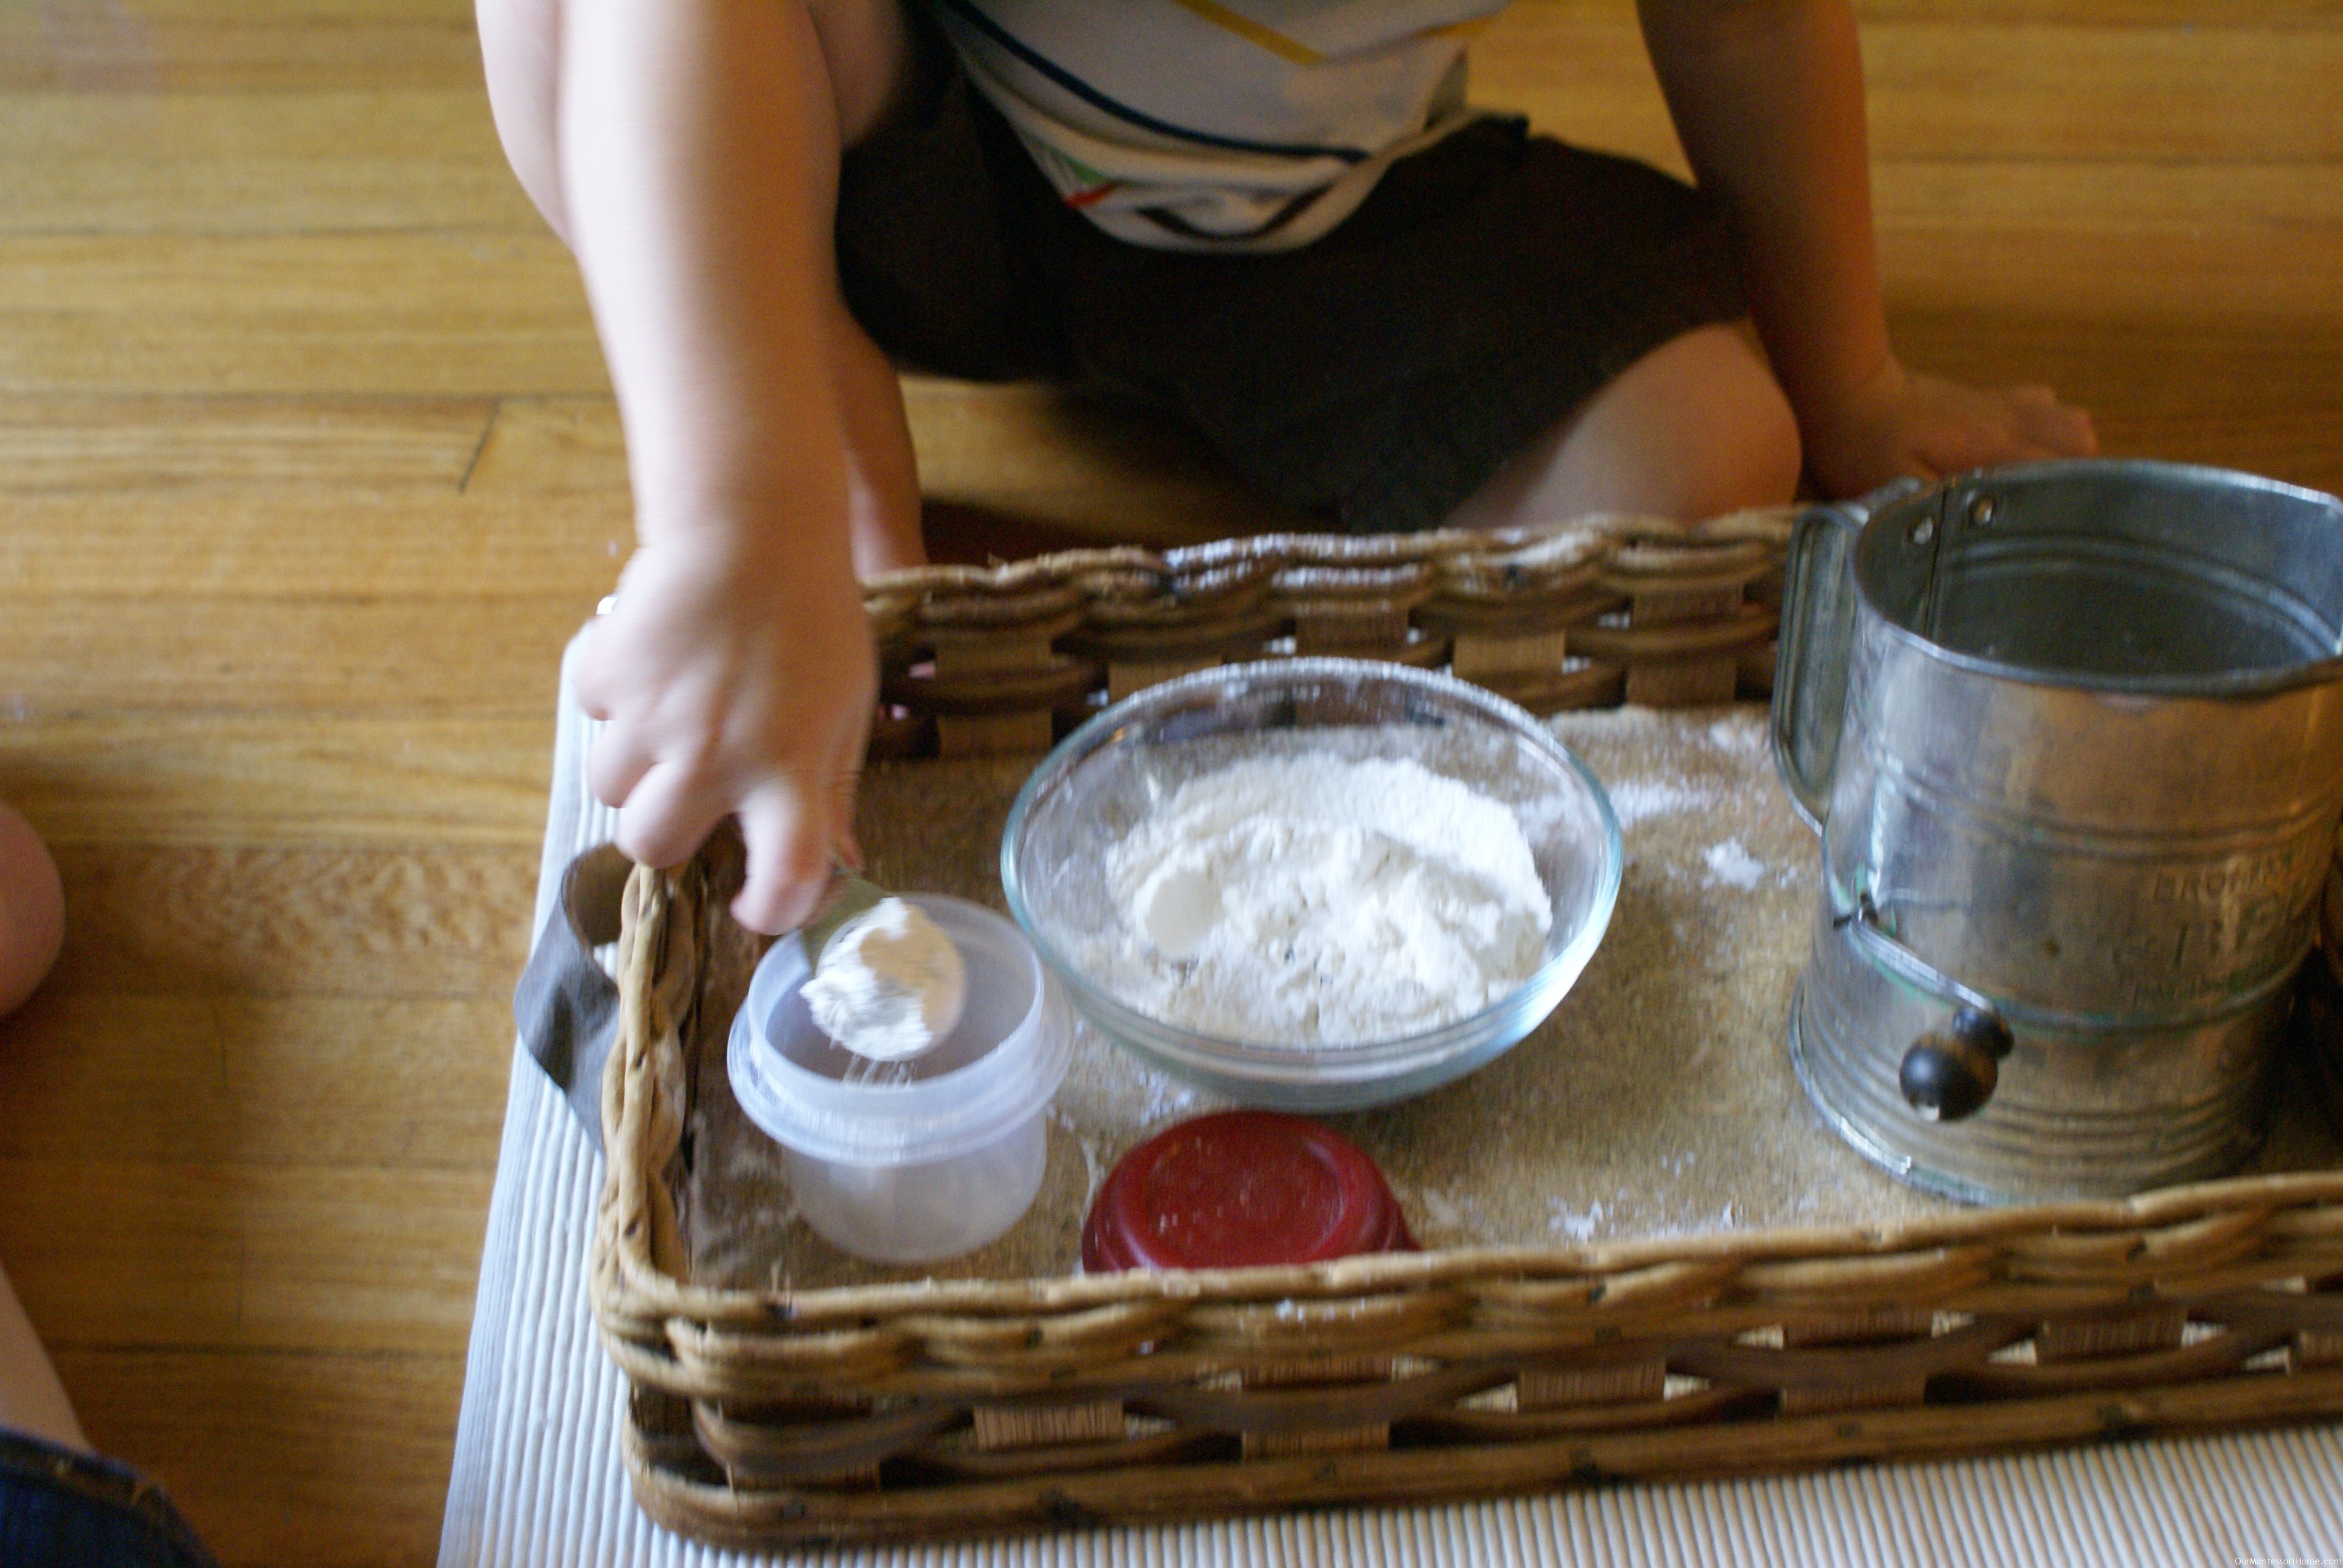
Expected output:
{"points": [[841, 815], [845, 779], [2052, 429], [2068, 432], [590, 682], [788, 856], [615, 764], [667, 815]]}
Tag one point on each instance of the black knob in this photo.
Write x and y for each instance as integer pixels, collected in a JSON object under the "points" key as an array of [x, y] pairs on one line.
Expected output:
{"points": [[1951, 1074]]}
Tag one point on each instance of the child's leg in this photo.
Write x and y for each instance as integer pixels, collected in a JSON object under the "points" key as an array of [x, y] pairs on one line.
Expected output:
{"points": [[867, 48], [883, 474], [30, 1398], [1696, 427]]}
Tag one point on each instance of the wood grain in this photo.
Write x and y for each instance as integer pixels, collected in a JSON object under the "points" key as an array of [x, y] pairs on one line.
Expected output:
{"points": [[169, 47], [92, 654], [230, 163], [286, 1257], [309, 467], [369, 1083], [1948, 84], [107, 446], [323, 543], [434, 920], [208, 780], [423, 313]]}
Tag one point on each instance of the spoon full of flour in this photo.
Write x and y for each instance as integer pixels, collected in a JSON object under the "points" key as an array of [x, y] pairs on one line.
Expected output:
{"points": [[888, 985]]}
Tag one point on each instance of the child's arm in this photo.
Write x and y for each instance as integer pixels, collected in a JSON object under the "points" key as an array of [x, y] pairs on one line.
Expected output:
{"points": [[698, 159], [1767, 96]]}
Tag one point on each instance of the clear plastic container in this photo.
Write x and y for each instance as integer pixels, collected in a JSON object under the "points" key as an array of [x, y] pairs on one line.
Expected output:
{"points": [[906, 1169]]}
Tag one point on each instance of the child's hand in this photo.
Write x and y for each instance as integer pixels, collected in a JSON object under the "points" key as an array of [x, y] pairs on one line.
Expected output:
{"points": [[734, 678], [1905, 422]]}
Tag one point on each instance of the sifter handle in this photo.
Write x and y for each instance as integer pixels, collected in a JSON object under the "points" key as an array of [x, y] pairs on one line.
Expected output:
{"points": [[1817, 632]]}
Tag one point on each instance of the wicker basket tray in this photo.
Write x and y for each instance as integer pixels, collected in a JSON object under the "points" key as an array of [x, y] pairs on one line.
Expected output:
{"points": [[777, 1417], [1605, 608]]}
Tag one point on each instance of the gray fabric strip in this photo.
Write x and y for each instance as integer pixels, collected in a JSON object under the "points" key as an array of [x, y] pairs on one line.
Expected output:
{"points": [[567, 1008]]}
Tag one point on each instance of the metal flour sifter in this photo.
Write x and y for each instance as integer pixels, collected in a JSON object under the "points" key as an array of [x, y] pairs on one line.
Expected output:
{"points": [[2073, 736]]}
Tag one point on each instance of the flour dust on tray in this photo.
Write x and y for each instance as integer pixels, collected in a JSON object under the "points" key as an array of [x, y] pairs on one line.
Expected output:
{"points": [[1314, 900]]}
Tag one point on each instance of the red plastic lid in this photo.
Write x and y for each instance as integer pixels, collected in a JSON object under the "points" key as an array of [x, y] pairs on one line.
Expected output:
{"points": [[1237, 1190]]}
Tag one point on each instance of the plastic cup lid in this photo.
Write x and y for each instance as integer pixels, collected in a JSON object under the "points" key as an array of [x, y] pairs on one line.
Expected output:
{"points": [[1237, 1190]]}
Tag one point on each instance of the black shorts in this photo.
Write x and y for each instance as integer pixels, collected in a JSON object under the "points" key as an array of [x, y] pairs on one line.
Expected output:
{"points": [[1487, 286]]}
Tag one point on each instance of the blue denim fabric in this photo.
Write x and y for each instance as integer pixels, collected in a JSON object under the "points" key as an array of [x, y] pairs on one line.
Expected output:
{"points": [[62, 1509]]}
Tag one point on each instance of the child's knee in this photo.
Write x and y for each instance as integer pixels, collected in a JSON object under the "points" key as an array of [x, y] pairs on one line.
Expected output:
{"points": [[1696, 427], [1739, 435], [872, 57]]}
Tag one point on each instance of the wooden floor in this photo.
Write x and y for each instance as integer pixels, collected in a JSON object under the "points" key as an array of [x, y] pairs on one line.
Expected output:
{"points": [[309, 467]]}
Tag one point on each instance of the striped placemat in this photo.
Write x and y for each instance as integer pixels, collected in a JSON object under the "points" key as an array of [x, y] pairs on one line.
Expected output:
{"points": [[537, 1483]]}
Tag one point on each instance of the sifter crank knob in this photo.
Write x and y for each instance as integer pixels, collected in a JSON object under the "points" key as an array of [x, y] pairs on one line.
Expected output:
{"points": [[1951, 1074]]}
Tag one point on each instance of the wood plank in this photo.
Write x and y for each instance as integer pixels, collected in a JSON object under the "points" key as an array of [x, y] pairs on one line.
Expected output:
{"points": [[384, 1084], [78, 654], [243, 163], [2244, 206], [1955, 87], [195, 45], [2147, 279], [274, 779], [541, 446], [430, 920], [318, 541], [115, 1254], [277, 1458], [418, 314], [109, 446]]}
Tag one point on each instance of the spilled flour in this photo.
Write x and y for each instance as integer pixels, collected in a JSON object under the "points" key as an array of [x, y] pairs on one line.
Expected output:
{"points": [[1731, 865], [1315, 899]]}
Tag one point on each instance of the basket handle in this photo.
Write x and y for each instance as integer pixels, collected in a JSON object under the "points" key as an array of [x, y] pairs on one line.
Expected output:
{"points": [[1817, 631]]}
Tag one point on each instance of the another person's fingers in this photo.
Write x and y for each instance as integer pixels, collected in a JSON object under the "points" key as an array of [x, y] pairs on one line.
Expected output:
{"points": [[789, 857], [667, 815]]}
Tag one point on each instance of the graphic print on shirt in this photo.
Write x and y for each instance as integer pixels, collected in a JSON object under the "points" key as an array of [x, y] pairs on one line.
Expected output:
{"points": [[1203, 124]]}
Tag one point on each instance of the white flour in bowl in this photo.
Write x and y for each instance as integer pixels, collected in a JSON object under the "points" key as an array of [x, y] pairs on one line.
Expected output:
{"points": [[1314, 900]]}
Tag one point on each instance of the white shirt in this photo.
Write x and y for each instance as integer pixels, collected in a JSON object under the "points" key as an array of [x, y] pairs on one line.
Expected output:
{"points": [[1218, 125]]}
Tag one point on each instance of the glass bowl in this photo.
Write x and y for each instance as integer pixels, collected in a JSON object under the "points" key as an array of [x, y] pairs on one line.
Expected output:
{"points": [[1105, 777]]}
